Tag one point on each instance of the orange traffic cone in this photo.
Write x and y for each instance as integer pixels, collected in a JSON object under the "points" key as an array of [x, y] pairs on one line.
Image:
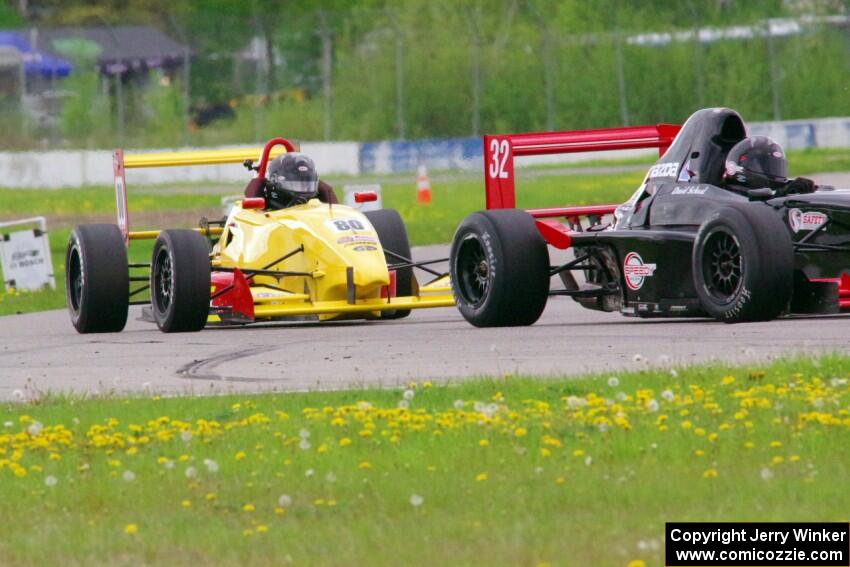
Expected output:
{"points": [[423, 186]]}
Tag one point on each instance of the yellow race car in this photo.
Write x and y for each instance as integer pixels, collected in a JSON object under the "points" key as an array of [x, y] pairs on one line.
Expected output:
{"points": [[317, 260]]}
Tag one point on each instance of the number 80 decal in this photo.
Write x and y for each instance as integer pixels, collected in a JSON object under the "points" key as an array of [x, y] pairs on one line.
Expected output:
{"points": [[499, 152], [342, 225]]}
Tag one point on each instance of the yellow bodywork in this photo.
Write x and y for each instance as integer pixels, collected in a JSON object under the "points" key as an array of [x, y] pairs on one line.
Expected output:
{"points": [[334, 249], [340, 264], [337, 244]]}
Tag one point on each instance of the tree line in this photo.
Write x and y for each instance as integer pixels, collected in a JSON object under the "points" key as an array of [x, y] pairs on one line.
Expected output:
{"points": [[384, 69]]}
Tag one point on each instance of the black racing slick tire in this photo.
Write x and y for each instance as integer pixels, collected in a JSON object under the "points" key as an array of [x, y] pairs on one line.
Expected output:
{"points": [[392, 235], [180, 281], [97, 279], [743, 264], [499, 269]]}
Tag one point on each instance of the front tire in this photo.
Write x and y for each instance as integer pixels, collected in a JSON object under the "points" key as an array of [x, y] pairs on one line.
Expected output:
{"points": [[743, 264], [97, 279], [499, 269], [392, 235], [180, 281]]}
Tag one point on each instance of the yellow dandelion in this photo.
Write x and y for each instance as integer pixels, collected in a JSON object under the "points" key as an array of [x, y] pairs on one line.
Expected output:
{"points": [[710, 473], [262, 528], [726, 380], [636, 563], [544, 452], [365, 465], [560, 480], [248, 508], [186, 503], [279, 511], [699, 453], [344, 442], [240, 455], [130, 529], [481, 477], [484, 443], [210, 496], [520, 432], [578, 453], [775, 444], [749, 445]]}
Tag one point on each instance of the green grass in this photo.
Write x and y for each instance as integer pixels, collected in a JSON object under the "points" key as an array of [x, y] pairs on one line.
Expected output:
{"points": [[560, 471], [15, 203], [451, 202], [818, 160], [431, 224], [14, 302], [426, 224]]}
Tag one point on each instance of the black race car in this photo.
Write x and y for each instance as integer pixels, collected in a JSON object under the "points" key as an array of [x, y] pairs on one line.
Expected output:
{"points": [[687, 244]]}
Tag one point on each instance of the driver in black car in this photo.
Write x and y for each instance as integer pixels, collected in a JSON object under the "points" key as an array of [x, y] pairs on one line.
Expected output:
{"points": [[758, 162], [291, 179]]}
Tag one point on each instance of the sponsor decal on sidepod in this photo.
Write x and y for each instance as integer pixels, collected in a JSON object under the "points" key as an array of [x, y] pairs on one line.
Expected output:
{"points": [[635, 271], [805, 221]]}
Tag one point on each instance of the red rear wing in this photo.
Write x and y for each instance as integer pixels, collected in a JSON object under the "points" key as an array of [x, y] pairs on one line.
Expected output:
{"points": [[500, 151]]}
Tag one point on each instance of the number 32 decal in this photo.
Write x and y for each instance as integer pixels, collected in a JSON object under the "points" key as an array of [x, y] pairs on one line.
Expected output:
{"points": [[499, 150]]}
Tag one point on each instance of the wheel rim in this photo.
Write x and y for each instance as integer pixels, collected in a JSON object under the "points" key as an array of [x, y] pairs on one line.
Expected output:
{"points": [[722, 266], [163, 283], [75, 280], [473, 270]]}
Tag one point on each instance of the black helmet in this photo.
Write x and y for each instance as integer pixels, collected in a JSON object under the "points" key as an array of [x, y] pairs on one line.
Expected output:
{"points": [[291, 179], [756, 162]]}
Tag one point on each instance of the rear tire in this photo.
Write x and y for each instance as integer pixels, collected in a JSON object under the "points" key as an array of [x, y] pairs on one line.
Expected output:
{"points": [[743, 264], [393, 237], [180, 281], [500, 269], [97, 279]]}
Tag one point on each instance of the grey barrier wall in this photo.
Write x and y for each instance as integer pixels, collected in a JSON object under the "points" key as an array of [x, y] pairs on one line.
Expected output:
{"points": [[57, 169], [60, 169]]}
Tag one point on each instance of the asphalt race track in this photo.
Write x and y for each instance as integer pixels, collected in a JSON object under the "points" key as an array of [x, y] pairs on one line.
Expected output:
{"points": [[42, 352]]}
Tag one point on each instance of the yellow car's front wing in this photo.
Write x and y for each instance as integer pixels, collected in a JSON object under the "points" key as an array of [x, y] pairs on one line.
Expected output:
{"points": [[435, 294]]}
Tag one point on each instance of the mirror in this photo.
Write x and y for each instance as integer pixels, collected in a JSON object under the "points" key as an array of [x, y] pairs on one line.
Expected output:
{"points": [[365, 197]]}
